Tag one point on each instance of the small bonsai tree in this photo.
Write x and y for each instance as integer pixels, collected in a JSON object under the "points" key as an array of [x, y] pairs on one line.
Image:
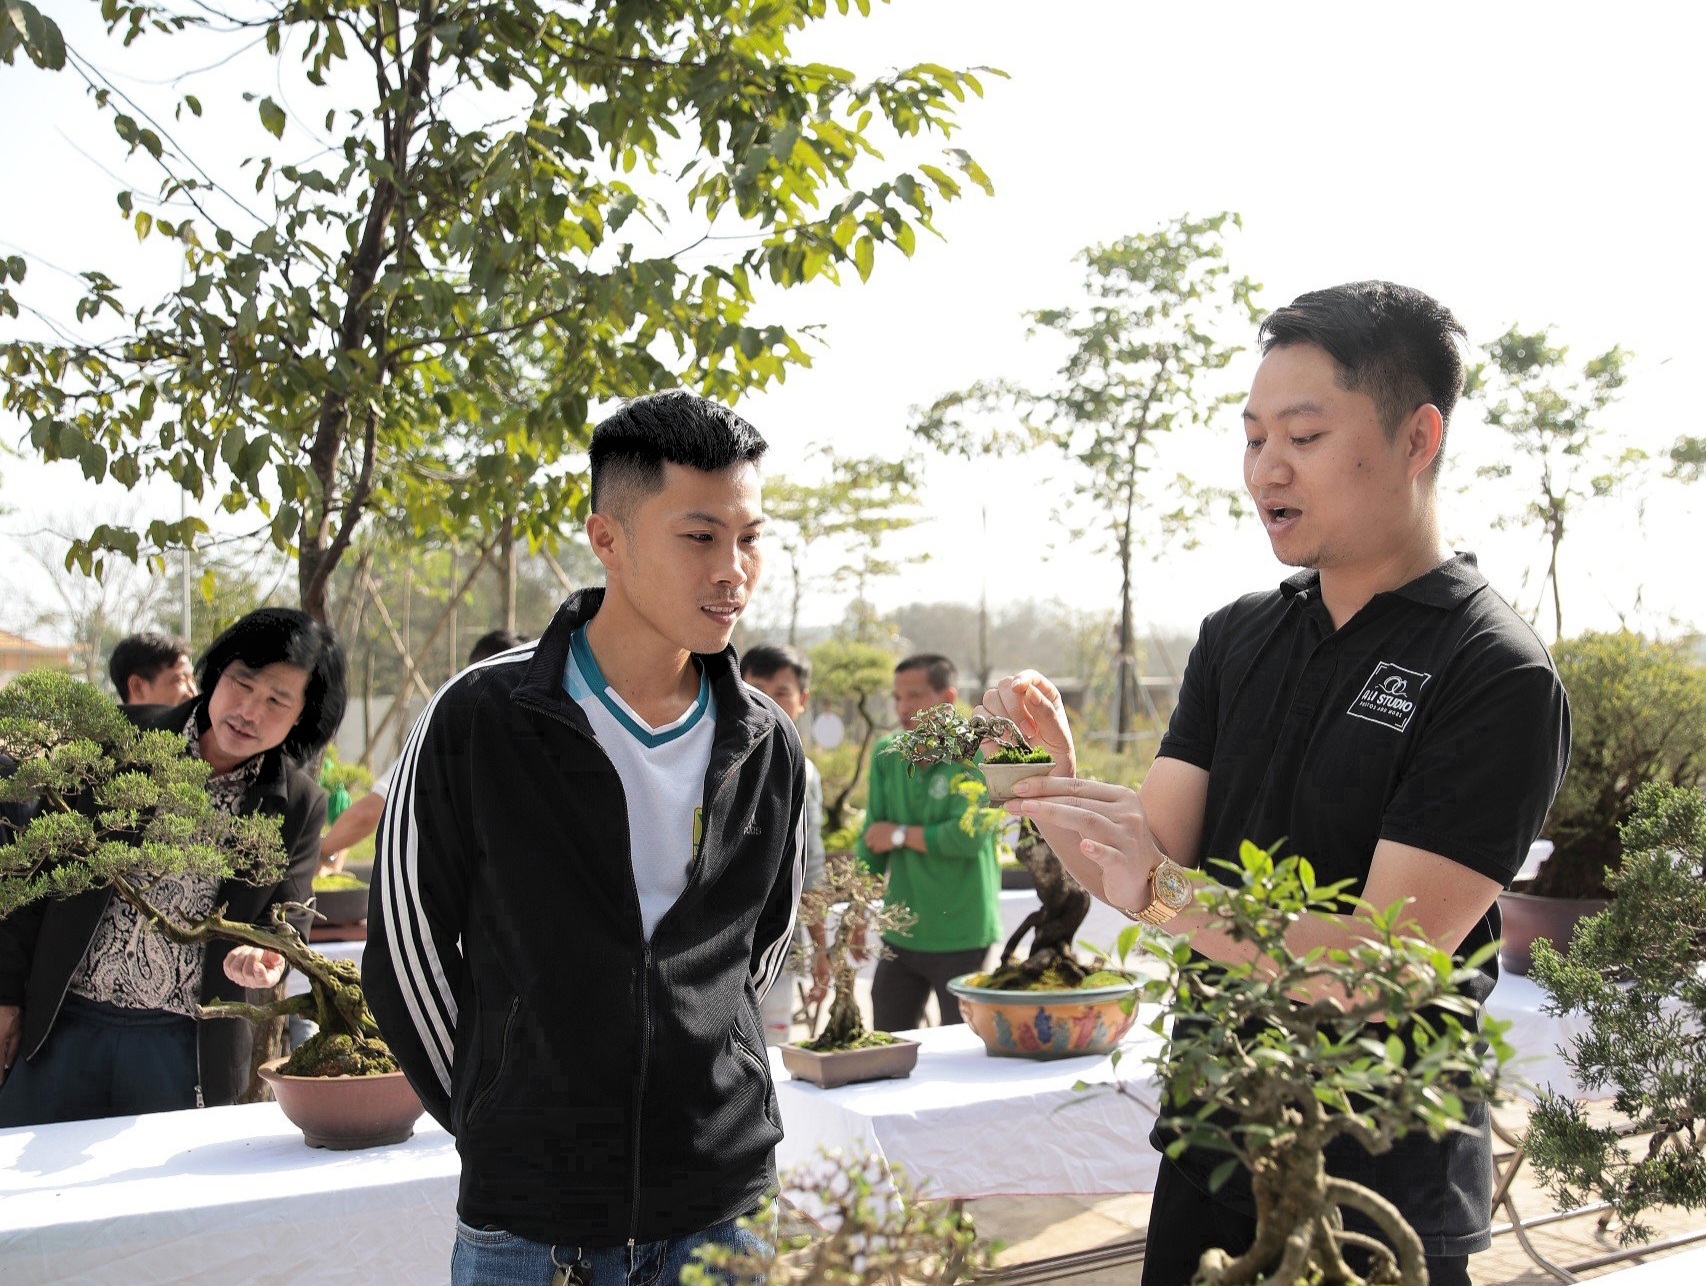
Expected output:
{"points": [[121, 809], [859, 894], [1269, 1079], [872, 1226], [941, 735], [1635, 971]]}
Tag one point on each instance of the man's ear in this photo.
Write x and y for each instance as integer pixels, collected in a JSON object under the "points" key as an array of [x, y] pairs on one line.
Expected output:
{"points": [[1422, 432], [605, 536], [947, 696], [131, 696]]}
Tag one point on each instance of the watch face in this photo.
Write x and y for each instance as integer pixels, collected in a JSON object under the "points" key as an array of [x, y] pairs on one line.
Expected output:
{"points": [[1172, 886]]}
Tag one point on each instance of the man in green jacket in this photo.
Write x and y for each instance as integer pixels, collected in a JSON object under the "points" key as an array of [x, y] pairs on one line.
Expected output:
{"points": [[946, 875]]}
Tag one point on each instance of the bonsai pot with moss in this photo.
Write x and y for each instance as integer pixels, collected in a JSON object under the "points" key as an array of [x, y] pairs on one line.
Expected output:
{"points": [[845, 1051], [1052, 1004], [121, 809]]}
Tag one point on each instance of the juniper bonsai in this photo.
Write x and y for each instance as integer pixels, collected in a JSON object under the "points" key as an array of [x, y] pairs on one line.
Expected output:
{"points": [[1376, 1049], [1635, 970], [112, 807]]}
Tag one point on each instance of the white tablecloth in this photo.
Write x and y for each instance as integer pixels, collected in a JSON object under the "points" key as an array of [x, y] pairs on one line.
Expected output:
{"points": [[231, 1194], [218, 1197], [976, 1126], [1537, 1037]]}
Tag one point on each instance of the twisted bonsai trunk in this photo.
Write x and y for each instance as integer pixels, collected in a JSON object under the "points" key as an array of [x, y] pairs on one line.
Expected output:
{"points": [[348, 1042]]}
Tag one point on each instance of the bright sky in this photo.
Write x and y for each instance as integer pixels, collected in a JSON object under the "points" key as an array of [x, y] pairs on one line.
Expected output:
{"points": [[1523, 162]]}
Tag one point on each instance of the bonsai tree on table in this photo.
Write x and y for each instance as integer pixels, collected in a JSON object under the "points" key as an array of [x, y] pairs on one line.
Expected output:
{"points": [[122, 809], [1271, 1060], [1635, 970], [864, 917], [941, 735]]}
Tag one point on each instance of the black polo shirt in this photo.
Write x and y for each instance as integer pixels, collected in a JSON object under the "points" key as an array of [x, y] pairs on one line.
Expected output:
{"points": [[1434, 718]]}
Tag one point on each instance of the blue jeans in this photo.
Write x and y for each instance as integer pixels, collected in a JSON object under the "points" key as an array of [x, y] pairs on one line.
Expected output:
{"points": [[103, 1060], [490, 1257]]}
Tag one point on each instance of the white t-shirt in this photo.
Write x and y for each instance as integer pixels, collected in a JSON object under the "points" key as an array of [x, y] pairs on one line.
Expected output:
{"points": [[663, 778]]}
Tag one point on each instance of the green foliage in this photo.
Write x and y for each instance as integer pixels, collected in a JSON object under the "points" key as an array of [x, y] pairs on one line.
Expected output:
{"points": [[509, 231], [1270, 1060], [23, 26], [941, 735], [1635, 972], [1556, 448], [1638, 715], [1143, 359], [855, 677], [122, 809], [119, 809], [871, 1226]]}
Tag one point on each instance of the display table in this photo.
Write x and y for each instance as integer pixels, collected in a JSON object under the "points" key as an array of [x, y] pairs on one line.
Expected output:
{"points": [[232, 1194], [968, 1125], [220, 1196]]}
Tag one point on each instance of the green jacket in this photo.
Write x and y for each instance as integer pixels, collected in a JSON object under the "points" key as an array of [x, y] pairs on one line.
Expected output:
{"points": [[954, 886]]}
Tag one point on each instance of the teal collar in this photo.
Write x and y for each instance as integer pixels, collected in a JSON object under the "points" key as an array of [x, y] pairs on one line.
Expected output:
{"points": [[592, 683]]}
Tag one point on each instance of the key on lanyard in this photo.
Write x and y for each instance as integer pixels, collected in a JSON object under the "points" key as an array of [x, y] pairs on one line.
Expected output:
{"points": [[574, 1274]]}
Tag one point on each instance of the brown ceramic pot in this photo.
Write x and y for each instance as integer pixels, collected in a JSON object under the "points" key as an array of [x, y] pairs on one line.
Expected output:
{"points": [[844, 1066], [344, 1113], [1527, 917]]}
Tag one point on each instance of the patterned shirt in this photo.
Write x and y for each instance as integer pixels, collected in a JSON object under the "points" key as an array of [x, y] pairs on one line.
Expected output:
{"points": [[128, 964]]}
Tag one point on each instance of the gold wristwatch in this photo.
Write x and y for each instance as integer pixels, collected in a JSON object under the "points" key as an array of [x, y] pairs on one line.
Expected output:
{"points": [[1170, 893]]}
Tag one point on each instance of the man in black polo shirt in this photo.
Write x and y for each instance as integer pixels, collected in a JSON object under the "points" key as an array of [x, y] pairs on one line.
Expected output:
{"points": [[1383, 712]]}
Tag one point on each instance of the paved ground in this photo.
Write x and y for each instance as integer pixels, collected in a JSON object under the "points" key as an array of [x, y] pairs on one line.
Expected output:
{"points": [[1042, 1227]]}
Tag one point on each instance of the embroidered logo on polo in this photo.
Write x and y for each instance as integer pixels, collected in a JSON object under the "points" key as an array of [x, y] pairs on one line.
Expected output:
{"points": [[1390, 696]]}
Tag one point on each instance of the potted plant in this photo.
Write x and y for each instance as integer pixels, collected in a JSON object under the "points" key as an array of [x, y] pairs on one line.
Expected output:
{"points": [[121, 809], [845, 1051], [1270, 1060], [1052, 1004], [1634, 970], [941, 735], [1638, 715], [869, 1225]]}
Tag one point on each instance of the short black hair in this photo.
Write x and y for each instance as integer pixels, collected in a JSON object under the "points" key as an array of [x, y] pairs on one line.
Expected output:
{"points": [[491, 643], [271, 634], [1394, 343], [764, 659], [939, 671], [631, 447], [143, 656]]}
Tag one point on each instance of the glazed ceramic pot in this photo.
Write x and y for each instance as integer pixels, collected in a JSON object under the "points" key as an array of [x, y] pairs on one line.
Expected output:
{"points": [[1527, 916], [845, 1066], [344, 1113], [1047, 1024], [1002, 777]]}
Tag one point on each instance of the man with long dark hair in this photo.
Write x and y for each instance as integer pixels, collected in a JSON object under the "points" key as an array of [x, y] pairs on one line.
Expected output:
{"points": [[99, 1008], [1383, 712]]}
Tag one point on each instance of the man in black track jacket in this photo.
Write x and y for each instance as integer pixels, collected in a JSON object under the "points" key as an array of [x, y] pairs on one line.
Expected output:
{"points": [[586, 880]]}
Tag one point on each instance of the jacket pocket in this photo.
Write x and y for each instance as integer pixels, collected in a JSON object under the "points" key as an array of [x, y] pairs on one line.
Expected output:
{"points": [[759, 1065], [482, 1096]]}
